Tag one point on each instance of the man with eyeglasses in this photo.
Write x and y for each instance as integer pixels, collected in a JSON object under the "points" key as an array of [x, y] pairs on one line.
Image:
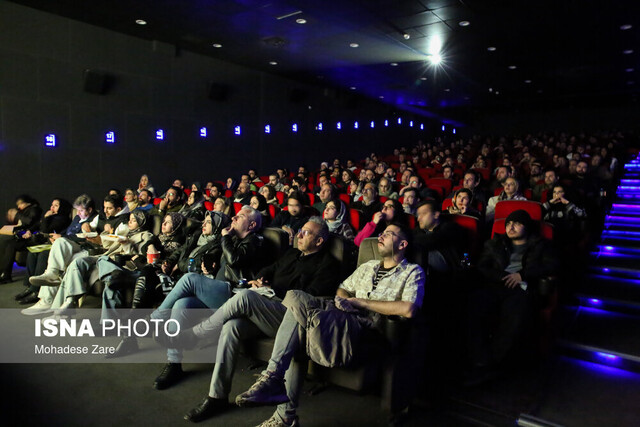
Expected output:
{"points": [[250, 314], [241, 258], [390, 286]]}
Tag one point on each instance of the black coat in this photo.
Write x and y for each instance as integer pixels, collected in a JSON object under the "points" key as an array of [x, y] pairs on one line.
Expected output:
{"points": [[241, 258], [538, 260]]}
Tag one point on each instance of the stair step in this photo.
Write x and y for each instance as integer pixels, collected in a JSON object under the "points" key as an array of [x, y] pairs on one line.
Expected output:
{"points": [[609, 304], [602, 336], [609, 270], [611, 287]]}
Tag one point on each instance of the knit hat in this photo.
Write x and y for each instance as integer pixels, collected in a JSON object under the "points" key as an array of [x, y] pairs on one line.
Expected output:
{"points": [[520, 216]]}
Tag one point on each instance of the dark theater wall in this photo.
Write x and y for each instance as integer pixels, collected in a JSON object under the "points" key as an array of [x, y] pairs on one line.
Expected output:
{"points": [[154, 86]]}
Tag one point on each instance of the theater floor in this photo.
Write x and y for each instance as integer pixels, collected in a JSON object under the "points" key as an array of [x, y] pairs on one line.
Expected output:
{"points": [[565, 392]]}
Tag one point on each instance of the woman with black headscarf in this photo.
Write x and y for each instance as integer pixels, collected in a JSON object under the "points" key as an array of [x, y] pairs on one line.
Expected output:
{"points": [[194, 208], [259, 203]]}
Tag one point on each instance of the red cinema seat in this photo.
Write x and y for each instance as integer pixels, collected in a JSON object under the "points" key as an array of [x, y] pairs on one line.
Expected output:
{"points": [[446, 203], [280, 197], [505, 207], [345, 198], [237, 206], [442, 182], [355, 218], [208, 205]]}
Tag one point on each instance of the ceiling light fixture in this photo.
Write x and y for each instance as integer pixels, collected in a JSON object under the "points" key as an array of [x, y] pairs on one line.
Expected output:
{"points": [[354, 45], [629, 70], [423, 78], [464, 23], [527, 81], [512, 67], [352, 88], [301, 21], [631, 82], [217, 45], [406, 36], [381, 97], [273, 63], [141, 22], [447, 90], [627, 52], [491, 48], [394, 64], [626, 27]]}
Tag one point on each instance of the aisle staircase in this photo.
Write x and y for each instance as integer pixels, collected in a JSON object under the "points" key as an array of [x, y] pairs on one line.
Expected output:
{"points": [[604, 324]]}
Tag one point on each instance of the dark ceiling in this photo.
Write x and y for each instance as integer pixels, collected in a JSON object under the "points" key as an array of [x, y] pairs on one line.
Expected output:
{"points": [[565, 52]]}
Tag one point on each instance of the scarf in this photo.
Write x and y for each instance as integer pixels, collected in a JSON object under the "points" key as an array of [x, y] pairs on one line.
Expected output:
{"points": [[337, 223]]}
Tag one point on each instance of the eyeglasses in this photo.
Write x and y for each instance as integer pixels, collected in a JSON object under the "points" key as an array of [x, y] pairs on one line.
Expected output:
{"points": [[304, 233], [386, 234]]}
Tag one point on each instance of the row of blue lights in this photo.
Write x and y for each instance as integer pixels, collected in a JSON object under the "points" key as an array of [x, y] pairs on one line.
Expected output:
{"points": [[110, 137]]}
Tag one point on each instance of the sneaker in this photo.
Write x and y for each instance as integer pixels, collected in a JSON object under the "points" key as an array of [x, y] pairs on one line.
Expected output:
{"points": [[49, 278], [68, 307], [209, 407], [268, 390], [41, 307], [277, 421], [171, 374]]}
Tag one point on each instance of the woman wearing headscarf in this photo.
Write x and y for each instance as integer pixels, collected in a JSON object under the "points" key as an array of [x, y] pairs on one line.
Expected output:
{"points": [[335, 215], [27, 218], [131, 198], [511, 191], [259, 203], [194, 208], [392, 211], [145, 184]]}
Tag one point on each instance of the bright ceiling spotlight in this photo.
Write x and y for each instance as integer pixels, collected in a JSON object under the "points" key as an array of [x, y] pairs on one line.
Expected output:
{"points": [[433, 50]]}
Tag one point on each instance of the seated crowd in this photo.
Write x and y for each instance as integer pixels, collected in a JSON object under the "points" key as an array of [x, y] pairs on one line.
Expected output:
{"points": [[447, 251]]}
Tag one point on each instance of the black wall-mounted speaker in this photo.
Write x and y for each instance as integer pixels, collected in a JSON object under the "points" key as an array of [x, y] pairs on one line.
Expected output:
{"points": [[96, 82]]}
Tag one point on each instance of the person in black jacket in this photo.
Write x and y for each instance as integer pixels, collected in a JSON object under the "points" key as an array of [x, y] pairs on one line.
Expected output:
{"points": [[259, 311], [511, 266], [295, 217], [56, 219], [27, 219], [240, 259]]}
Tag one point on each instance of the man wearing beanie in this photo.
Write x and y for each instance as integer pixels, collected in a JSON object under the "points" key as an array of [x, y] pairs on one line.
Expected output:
{"points": [[510, 266]]}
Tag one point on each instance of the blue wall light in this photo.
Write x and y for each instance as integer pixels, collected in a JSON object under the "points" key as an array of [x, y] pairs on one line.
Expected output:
{"points": [[373, 124], [386, 123], [294, 127], [50, 140], [399, 120], [110, 137], [237, 130], [442, 128], [160, 134], [319, 126], [355, 125], [411, 123], [203, 132], [339, 125], [267, 129]]}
